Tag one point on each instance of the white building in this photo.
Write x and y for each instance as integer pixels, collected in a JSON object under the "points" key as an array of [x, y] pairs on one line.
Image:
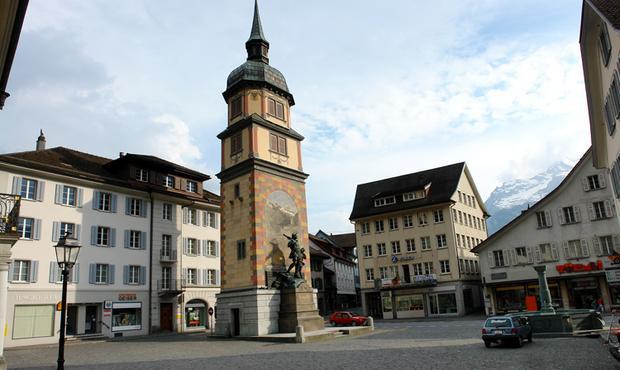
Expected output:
{"points": [[573, 232], [150, 245]]}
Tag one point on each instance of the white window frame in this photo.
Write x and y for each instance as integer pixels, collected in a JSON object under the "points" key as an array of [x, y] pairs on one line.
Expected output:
{"points": [[410, 245], [101, 273], [135, 239], [168, 181], [442, 241], [438, 216], [191, 186], [133, 275], [22, 228], [69, 196], [381, 251], [21, 271], [444, 266], [395, 247], [425, 243], [29, 188], [142, 175]]}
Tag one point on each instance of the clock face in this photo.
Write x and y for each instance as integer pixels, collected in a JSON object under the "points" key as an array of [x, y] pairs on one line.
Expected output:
{"points": [[281, 217]]}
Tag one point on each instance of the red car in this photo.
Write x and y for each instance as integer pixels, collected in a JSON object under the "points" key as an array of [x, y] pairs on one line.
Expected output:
{"points": [[347, 319]]}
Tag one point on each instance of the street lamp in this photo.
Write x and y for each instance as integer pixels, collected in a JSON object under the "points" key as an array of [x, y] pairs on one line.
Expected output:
{"points": [[66, 254]]}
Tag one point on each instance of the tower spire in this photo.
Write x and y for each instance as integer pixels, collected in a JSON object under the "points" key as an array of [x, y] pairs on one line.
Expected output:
{"points": [[257, 46]]}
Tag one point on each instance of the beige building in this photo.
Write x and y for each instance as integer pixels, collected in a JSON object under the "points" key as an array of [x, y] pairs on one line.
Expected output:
{"points": [[150, 245], [414, 238], [573, 231], [600, 49]]}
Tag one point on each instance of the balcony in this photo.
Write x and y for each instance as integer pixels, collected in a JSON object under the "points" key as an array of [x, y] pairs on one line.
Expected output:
{"points": [[9, 215], [168, 256], [170, 287]]}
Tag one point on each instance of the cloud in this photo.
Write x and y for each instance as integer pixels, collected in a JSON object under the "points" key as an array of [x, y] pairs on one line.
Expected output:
{"points": [[172, 140]]}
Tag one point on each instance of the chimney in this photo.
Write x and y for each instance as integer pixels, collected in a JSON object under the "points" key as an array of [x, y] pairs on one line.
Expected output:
{"points": [[41, 142], [121, 154]]}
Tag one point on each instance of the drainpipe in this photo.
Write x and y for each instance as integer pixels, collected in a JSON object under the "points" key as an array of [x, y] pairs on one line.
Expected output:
{"points": [[151, 265]]}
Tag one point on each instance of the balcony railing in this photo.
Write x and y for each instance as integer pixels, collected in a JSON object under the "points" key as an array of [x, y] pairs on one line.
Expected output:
{"points": [[169, 255], [169, 286], [9, 215]]}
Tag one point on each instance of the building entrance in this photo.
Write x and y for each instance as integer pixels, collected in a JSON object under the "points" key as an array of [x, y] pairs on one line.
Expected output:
{"points": [[90, 323], [165, 316], [583, 292], [72, 313]]}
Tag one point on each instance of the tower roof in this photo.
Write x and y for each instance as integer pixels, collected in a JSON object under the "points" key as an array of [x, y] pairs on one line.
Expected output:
{"points": [[257, 28]]}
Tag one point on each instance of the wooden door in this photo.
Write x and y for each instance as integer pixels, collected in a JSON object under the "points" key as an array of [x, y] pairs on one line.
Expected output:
{"points": [[165, 316]]}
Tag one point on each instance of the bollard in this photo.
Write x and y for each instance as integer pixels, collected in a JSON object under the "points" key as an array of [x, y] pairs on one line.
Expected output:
{"points": [[299, 334], [371, 322]]}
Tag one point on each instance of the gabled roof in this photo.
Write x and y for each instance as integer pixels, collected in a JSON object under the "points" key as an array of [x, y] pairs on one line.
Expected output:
{"points": [[344, 240], [158, 163], [536, 207], [329, 248], [443, 182], [610, 9]]}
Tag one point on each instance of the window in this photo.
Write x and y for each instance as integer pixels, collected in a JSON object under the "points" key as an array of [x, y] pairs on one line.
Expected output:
{"points": [[211, 248], [458, 240], [407, 197], [393, 222], [33, 321], [135, 206], [191, 217], [211, 277], [142, 175], [498, 257], [191, 247], [609, 115], [275, 108], [381, 249], [240, 249], [605, 44], [104, 201], [469, 221], [522, 255], [368, 251], [460, 196], [236, 146], [396, 247], [385, 201], [548, 252], [28, 189], [103, 236], [460, 217], [169, 181], [407, 221], [212, 219], [166, 211], [569, 215], [604, 245], [191, 277], [425, 242], [235, 107], [422, 220], [444, 266], [191, 186], [392, 271], [101, 273], [600, 210], [593, 183], [383, 272], [365, 227], [417, 269], [410, 245], [69, 194], [576, 249], [25, 228], [428, 268], [370, 274], [438, 215], [543, 218], [21, 271], [379, 226], [66, 227], [277, 144], [133, 276], [135, 239], [442, 241], [166, 245]]}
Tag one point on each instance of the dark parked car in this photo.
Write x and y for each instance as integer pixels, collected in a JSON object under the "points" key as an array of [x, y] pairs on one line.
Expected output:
{"points": [[506, 329], [347, 319]]}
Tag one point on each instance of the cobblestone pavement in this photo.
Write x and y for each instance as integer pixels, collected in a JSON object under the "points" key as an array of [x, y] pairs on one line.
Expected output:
{"points": [[453, 344]]}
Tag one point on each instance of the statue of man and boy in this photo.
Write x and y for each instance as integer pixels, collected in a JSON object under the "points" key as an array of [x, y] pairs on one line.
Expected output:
{"points": [[297, 255]]}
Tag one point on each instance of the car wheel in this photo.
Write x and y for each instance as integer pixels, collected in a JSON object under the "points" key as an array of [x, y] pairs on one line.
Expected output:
{"points": [[519, 341], [487, 344]]}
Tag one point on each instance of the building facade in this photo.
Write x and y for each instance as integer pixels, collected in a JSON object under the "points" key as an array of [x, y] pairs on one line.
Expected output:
{"points": [[573, 232], [142, 266], [600, 54], [414, 237]]}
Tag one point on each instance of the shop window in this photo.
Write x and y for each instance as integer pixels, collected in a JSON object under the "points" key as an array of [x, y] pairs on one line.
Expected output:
{"points": [[441, 304], [195, 314], [33, 321], [126, 316]]}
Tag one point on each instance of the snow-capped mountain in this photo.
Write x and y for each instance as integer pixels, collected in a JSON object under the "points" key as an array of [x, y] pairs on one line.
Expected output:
{"points": [[507, 201]]}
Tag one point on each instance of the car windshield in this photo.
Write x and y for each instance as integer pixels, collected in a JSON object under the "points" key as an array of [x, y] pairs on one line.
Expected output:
{"points": [[496, 323]]}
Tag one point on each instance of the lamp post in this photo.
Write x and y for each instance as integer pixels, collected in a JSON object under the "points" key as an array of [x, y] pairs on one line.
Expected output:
{"points": [[66, 254]]}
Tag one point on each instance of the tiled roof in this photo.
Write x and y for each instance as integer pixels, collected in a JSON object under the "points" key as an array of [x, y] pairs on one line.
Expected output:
{"points": [[610, 10], [160, 163], [343, 240], [443, 182]]}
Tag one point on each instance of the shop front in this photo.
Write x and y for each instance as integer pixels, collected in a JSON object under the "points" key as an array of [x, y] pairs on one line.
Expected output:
{"points": [[196, 314], [126, 316], [516, 297]]}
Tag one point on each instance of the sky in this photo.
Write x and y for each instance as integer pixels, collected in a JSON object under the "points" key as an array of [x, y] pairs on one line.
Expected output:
{"points": [[381, 88]]}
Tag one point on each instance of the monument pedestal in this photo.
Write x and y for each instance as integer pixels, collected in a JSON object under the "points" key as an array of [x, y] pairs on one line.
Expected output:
{"points": [[297, 307], [247, 312]]}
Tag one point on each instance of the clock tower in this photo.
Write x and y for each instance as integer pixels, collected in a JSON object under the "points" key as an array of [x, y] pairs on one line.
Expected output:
{"points": [[262, 190]]}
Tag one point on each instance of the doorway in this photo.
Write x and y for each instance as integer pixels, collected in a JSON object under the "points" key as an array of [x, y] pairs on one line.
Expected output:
{"points": [[72, 313], [235, 322], [165, 316], [90, 323]]}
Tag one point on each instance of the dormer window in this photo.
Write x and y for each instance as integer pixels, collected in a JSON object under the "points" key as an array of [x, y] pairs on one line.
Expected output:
{"points": [[192, 186], [605, 44], [235, 107], [385, 201], [142, 175], [275, 108], [169, 181], [413, 195]]}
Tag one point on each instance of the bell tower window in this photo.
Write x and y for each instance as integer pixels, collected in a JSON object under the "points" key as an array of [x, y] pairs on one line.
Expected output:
{"points": [[235, 107], [275, 108], [235, 144]]}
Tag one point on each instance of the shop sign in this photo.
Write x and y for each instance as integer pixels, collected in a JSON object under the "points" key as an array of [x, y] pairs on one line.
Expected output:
{"points": [[579, 267], [499, 276], [127, 296], [395, 258], [613, 276], [612, 261], [430, 279]]}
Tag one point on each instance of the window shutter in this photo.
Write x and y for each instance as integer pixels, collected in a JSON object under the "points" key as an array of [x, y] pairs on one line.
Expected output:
{"points": [[601, 181], [585, 184], [55, 231], [513, 256], [110, 274], [548, 218], [93, 235], [143, 239], [142, 275], [530, 257], [34, 271], [217, 249], [78, 229], [585, 251], [127, 235], [125, 274], [17, 185], [58, 197], [184, 277], [92, 271], [596, 245], [198, 247], [203, 247], [609, 208], [215, 220], [554, 252], [491, 259], [537, 254], [113, 203], [75, 273], [185, 215], [203, 277], [217, 277], [185, 247], [567, 254], [144, 210], [616, 243], [53, 273], [80, 196], [40, 190], [591, 212], [37, 229], [96, 199], [112, 237], [577, 213], [561, 216], [198, 218], [127, 205]]}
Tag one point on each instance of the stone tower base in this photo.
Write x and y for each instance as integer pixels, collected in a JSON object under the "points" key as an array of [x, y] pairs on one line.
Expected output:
{"points": [[298, 307], [250, 311]]}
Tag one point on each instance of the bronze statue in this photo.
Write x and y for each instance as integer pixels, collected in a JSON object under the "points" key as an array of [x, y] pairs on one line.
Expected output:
{"points": [[297, 255]]}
